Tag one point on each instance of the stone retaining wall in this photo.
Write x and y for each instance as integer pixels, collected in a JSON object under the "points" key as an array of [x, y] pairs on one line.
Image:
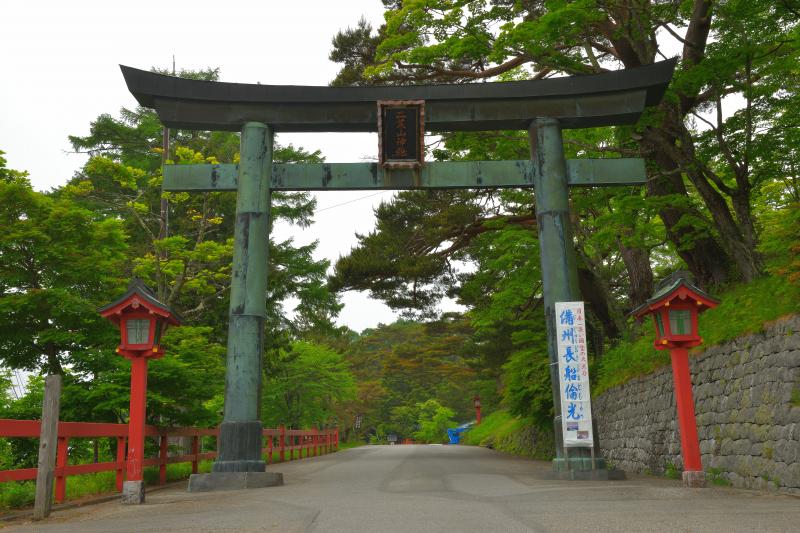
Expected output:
{"points": [[747, 401]]}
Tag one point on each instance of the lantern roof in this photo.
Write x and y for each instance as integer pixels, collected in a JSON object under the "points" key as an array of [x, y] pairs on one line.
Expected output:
{"points": [[680, 285], [139, 294]]}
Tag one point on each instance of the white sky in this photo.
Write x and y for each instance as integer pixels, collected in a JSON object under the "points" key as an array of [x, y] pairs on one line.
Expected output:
{"points": [[59, 67]]}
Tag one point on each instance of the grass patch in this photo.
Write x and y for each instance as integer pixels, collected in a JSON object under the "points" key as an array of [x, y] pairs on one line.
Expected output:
{"points": [[744, 309], [20, 494], [495, 425], [351, 444], [714, 475], [15, 494], [671, 471], [505, 432], [796, 395]]}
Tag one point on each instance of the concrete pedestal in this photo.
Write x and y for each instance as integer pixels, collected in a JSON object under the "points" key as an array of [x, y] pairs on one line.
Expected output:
{"points": [[694, 479], [234, 481], [133, 492], [580, 469]]}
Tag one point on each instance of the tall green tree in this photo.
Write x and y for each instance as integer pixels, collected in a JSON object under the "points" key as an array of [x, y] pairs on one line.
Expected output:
{"points": [[305, 387], [726, 48], [58, 263]]}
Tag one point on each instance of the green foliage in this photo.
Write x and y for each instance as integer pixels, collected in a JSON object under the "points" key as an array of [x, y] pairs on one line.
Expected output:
{"points": [[672, 472], [58, 263], [744, 309], [495, 424], [502, 431], [14, 494], [9, 175], [795, 398], [17, 494], [527, 385], [304, 387], [350, 444], [781, 242], [716, 477], [434, 419], [402, 365]]}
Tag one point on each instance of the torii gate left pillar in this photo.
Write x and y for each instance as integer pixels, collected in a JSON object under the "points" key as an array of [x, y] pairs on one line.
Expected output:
{"points": [[239, 461]]}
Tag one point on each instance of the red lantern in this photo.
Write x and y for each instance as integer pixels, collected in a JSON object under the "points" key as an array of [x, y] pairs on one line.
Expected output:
{"points": [[674, 308], [477, 402], [142, 320]]}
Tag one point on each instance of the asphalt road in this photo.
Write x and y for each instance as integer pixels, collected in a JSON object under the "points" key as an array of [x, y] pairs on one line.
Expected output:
{"points": [[453, 489]]}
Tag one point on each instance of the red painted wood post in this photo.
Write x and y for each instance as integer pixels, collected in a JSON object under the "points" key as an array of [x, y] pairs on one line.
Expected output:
{"points": [[135, 466], [62, 451], [315, 441], [195, 452], [162, 460], [120, 462], [269, 448], [282, 443], [690, 446]]}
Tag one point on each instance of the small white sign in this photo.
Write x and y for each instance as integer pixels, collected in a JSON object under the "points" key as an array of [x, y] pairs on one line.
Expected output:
{"points": [[573, 375]]}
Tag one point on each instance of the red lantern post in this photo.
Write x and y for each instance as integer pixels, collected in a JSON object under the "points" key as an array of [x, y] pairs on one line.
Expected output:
{"points": [[477, 402], [142, 320], [674, 308]]}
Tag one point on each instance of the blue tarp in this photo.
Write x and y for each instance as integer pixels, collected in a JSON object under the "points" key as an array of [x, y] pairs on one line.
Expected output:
{"points": [[454, 434]]}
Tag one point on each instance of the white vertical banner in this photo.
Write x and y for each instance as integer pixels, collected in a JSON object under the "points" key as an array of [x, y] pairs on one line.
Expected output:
{"points": [[573, 375]]}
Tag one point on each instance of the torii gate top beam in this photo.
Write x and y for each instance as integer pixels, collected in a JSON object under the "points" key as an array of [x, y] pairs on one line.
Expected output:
{"points": [[607, 99]]}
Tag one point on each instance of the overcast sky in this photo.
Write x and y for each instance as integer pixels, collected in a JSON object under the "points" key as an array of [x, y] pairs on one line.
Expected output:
{"points": [[60, 70]]}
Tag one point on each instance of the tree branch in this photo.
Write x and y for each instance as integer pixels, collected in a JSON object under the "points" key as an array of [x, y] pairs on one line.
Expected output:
{"points": [[488, 73]]}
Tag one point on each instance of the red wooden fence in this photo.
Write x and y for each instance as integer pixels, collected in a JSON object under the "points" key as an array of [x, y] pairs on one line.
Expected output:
{"points": [[281, 440]]}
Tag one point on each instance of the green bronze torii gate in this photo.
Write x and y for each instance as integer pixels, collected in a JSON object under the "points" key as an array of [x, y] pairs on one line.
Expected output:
{"points": [[542, 107]]}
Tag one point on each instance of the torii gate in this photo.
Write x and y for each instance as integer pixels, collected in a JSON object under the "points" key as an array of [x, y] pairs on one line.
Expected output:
{"points": [[542, 107]]}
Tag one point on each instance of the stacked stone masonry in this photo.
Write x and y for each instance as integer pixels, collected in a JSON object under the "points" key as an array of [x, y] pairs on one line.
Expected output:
{"points": [[747, 403]]}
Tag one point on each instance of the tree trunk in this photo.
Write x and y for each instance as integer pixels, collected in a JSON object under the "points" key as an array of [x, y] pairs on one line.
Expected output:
{"points": [[53, 362], [740, 249], [706, 259], [594, 292], [640, 273]]}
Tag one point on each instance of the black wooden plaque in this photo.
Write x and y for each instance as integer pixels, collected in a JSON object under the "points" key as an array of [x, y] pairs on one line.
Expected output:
{"points": [[401, 134]]}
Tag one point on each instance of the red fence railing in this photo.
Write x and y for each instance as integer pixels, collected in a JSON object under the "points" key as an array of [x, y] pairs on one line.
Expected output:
{"points": [[313, 441]]}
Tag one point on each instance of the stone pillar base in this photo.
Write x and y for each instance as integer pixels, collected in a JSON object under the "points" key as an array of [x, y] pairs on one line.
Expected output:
{"points": [[233, 481], [133, 492], [580, 469], [239, 446], [694, 479]]}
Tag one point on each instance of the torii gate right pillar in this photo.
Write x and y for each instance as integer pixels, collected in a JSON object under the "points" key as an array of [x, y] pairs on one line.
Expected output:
{"points": [[556, 245]]}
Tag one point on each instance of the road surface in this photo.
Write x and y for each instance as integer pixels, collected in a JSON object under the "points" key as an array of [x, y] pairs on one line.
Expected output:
{"points": [[453, 489]]}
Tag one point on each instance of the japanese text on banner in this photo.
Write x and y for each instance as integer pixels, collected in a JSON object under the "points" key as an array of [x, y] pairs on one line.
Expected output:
{"points": [[573, 372]]}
